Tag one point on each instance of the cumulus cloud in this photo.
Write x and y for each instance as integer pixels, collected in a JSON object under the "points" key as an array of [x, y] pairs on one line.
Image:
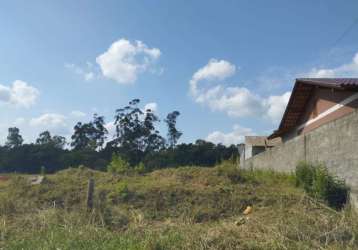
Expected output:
{"points": [[214, 70], [235, 101], [124, 60], [19, 93], [275, 106], [153, 106], [51, 120], [86, 73], [234, 137], [346, 70]]}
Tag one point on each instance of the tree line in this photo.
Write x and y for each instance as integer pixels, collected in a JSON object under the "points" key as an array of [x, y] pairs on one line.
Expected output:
{"points": [[136, 140]]}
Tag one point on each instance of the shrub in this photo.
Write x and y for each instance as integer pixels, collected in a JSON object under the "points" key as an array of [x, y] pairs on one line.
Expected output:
{"points": [[140, 168], [118, 165], [231, 171], [304, 176], [319, 183], [120, 192]]}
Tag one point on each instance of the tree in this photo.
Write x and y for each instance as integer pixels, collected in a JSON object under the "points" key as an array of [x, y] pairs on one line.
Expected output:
{"points": [[56, 141], [59, 141], [136, 134], [14, 139], [173, 133], [135, 129], [99, 131], [128, 126], [153, 141], [80, 140], [89, 135], [44, 138]]}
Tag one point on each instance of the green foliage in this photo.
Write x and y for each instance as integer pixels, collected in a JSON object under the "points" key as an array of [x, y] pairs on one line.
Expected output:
{"points": [[119, 192], [319, 183], [137, 139], [118, 165], [89, 135], [136, 130], [231, 171], [305, 175], [14, 139], [140, 168], [173, 134]]}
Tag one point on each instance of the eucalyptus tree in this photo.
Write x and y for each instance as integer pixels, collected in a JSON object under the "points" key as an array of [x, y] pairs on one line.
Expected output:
{"points": [[173, 134], [14, 139]]}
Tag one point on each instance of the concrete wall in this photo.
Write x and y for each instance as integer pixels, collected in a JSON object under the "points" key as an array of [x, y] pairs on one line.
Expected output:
{"points": [[335, 144]]}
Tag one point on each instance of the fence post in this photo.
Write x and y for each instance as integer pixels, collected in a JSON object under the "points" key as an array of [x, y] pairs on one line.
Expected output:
{"points": [[305, 147], [90, 192]]}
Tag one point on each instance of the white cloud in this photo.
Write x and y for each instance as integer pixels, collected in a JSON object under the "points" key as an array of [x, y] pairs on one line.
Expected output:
{"points": [[153, 106], [276, 105], [86, 73], [235, 137], [5, 94], [111, 130], [123, 61], [19, 93], [89, 76], [19, 121], [345, 70], [30, 128], [51, 120], [214, 70], [235, 101], [77, 113]]}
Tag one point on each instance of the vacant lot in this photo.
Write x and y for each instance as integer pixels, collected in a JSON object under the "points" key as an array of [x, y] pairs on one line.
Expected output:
{"points": [[183, 208]]}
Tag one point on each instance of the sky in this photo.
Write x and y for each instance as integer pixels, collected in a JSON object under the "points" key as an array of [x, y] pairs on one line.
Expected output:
{"points": [[227, 66]]}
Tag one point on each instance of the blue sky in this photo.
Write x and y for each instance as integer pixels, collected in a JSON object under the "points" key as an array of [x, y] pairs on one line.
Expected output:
{"points": [[227, 66]]}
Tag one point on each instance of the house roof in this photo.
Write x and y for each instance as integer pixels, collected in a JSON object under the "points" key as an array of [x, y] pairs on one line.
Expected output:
{"points": [[301, 92]]}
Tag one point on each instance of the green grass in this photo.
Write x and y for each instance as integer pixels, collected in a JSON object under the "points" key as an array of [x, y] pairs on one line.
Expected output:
{"points": [[183, 208]]}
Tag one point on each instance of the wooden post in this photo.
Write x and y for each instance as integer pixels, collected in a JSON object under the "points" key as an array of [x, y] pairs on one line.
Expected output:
{"points": [[90, 192]]}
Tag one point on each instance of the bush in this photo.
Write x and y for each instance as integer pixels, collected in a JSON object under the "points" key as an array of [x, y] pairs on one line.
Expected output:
{"points": [[118, 165], [140, 168], [231, 171], [120, 192], [319, 183], [304, 176]]}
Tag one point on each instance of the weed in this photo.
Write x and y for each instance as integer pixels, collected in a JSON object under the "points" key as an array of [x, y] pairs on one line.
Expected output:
{"points": [[118, 165], [319, 183]]}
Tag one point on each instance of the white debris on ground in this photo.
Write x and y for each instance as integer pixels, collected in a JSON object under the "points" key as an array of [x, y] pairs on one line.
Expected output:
{"points": [[36, 180]]}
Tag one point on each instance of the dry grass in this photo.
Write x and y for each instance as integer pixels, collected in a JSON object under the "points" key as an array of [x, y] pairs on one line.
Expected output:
{"points": [[184, 208]]}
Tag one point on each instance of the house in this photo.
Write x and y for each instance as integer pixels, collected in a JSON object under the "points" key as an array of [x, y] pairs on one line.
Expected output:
{"points": [[257, 144], [314, 102]]}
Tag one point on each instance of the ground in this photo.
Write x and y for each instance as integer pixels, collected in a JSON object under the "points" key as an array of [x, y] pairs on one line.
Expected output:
{"points": [[182, 208]]}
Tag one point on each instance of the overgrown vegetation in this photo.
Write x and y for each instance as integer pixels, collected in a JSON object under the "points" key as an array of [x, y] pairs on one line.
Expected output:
{"points": [[182, 208], [136, 140], [118, 165], [319, 183]]}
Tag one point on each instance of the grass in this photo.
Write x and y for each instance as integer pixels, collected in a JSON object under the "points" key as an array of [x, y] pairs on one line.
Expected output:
{"points": [[182, 208]]}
